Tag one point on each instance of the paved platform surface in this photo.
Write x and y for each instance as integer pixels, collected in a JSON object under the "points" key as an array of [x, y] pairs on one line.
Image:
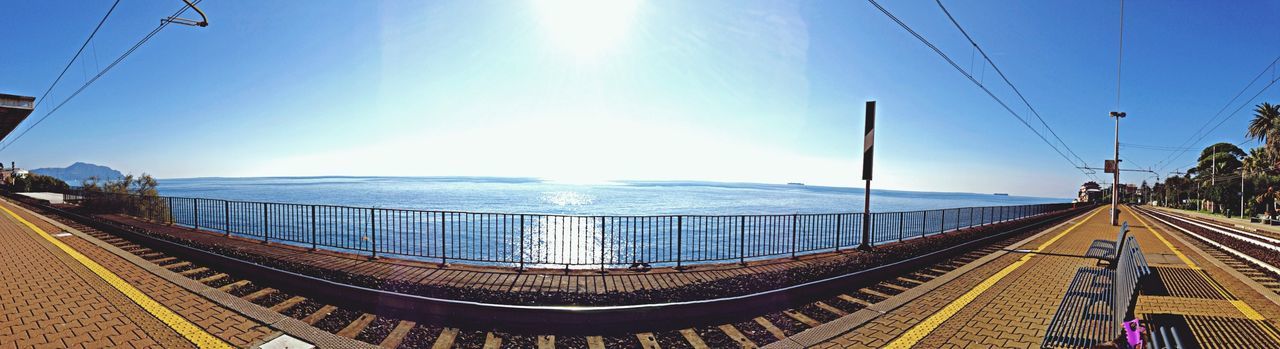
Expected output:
{"points": [[1009, 301], [58, 290]]}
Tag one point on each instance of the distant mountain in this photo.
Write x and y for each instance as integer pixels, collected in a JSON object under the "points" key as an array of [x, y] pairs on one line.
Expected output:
{"points": [[78, 172]]}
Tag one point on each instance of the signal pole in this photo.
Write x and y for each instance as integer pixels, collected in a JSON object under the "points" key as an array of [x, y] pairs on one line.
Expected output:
{"points": [[1115, 184]]}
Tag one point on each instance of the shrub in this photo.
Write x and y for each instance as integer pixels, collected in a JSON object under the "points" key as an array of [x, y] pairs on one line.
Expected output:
{"points": [[134, 196], [35, 182]]}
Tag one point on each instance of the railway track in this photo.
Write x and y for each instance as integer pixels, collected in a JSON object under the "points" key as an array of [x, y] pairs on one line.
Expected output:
{"points": [[393, 332], [1245, 251]]}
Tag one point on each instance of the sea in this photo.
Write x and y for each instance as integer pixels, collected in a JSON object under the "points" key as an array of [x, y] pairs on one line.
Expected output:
{"points": [[531, 195]]}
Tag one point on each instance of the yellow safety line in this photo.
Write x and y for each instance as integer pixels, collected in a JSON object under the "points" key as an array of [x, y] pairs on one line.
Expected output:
{"points": [[192, 332], [920, 330], [1177, 252], [1244, 308]]}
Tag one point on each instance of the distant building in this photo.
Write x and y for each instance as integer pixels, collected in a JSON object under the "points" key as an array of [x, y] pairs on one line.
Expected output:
{"points": [[13, 110], [1089, 192]]}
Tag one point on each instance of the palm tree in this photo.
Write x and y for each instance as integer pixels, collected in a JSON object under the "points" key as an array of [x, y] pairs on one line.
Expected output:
{"points": [[1265, 125], [1259, 161]]}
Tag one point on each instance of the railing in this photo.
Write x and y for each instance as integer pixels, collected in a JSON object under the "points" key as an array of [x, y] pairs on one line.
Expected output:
{"points": [[543, 240]]}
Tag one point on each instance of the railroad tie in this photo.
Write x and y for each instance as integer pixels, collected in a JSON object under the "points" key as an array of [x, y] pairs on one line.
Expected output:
{"points": [[831, 309], [546, 342], [288, 303], [491, 341], [319, 314], [693, 338], [258, 294], [595, 342], [356, 326], [737, 336], [397, 334], [233, 285], [894, 286], [445, 339], [768, 326], [211, 278], [808, 321], [648, 341], [855, 300], [193, 271]]}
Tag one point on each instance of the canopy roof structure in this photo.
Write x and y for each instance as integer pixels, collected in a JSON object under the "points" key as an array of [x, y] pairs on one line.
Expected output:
{"points": [[13, 109]]}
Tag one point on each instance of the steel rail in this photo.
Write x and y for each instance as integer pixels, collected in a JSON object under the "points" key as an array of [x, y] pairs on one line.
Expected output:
{"points": [[1156, 216]]}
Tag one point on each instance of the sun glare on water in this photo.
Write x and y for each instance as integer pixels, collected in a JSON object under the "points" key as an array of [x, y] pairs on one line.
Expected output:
{"points": [[586, 29]]}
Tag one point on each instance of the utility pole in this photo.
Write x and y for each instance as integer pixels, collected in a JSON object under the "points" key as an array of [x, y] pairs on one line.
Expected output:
{"points": [[1115, 184], [868, 144], [1241, 191]]}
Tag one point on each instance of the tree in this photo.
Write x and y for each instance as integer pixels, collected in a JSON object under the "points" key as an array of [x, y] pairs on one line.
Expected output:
{"points": [[1265, 126], [34, 182], [132, 196]]}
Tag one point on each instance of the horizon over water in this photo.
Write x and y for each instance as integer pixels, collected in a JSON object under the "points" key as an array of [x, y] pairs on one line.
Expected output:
{"points": [[532, 195]]}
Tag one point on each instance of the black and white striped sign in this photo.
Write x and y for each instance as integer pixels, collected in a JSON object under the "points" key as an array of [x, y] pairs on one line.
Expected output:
{"points": [[869, 140]]}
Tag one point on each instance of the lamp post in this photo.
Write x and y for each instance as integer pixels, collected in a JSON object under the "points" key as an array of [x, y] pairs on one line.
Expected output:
{"points": [[1115, 183]]}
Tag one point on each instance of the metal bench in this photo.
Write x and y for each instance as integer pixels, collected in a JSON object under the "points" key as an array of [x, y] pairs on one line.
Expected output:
{"points": [[1105, 250], [1098, 301]]}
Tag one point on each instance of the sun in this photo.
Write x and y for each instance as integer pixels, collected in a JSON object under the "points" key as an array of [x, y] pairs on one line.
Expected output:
{"points": [[585, 29]]}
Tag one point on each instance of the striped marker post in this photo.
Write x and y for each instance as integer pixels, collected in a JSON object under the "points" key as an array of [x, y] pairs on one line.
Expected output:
{"points": [[868, 147]]}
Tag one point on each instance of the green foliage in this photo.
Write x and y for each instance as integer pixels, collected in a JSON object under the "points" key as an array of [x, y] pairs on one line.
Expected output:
{"points": [[34, 182], [134, 196]]}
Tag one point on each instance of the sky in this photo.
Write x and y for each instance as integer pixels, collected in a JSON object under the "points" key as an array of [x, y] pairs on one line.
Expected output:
{"points": [[588, 91]]}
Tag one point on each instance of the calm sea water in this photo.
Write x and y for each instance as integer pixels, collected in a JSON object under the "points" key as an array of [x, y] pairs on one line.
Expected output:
{"points": [[522, 195]]}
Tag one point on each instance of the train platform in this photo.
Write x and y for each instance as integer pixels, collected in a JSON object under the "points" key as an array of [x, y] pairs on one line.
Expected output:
{"points": [[1008, 298], [63, 289]]}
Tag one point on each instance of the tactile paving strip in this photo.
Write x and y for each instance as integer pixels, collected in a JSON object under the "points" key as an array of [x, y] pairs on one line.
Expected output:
{"points": [[1243, 333]]}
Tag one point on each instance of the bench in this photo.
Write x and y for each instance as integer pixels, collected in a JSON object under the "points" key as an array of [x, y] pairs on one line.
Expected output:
{"points": [[1264, 219], [1105, 250], [1098, 301]]}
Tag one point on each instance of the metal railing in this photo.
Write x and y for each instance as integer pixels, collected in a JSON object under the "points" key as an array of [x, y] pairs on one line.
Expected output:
{"points": [[544, 240]]}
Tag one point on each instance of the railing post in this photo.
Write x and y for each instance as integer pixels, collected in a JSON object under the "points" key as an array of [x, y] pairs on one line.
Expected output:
{"points": [[793, 234], [521, 244], [679, 242], [942, 223], [970, 218], [373, 232], [226, 216], [603, 233], [902, 217], [742, 240], [196, 213], [170, 199], [924, 223], [266, 225], [314, 241], [838, 226], [444, 254]]}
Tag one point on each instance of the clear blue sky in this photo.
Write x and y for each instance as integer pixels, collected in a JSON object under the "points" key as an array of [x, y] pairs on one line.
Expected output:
{"points": [[700, 90]]}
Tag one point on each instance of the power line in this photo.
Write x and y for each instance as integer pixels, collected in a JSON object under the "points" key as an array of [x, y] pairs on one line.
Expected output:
{"points": [[979, 84], [1006, 81], [77, 55], [1237, 110], [99, 75], [1152, 147], [1188, 142]]}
